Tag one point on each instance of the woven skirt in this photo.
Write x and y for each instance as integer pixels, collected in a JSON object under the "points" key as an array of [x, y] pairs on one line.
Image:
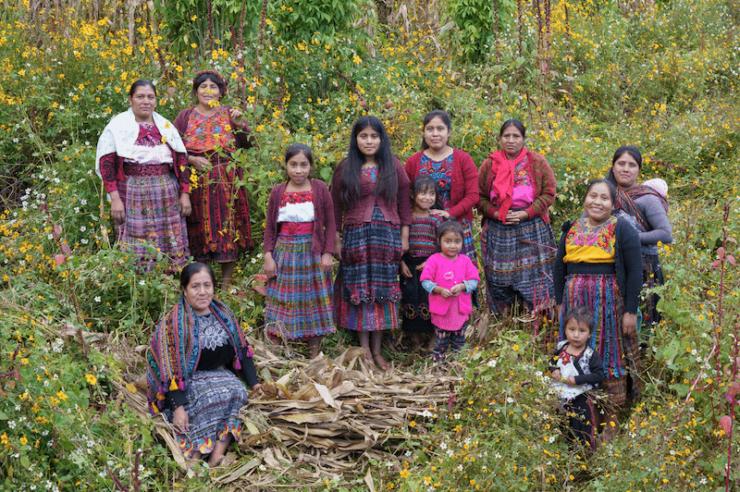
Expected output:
{"points": [[153, 221], [218, 228], [518, 260], [415, 314], [620, 355], [367, 289], [214, 400], [299, 297], [468, 248]]}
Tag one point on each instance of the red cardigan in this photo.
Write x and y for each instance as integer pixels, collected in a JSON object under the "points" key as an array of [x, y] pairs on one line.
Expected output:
{"points": [[397, 212], [324, 228], [464, 186], [544, 188]]}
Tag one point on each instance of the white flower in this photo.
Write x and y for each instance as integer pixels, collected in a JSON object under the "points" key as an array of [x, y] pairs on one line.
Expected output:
{"points": [[142, 282], [97, 298], [457, 416], [83, 228], [492, 363], [509, 399], [443, 446]]}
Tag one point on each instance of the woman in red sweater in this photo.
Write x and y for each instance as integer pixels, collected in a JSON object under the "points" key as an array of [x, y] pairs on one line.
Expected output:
{"points": [[517, 187], [453, 171]]}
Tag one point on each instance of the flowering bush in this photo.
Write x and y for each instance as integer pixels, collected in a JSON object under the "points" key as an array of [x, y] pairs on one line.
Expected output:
{"points": [[655, 74]]}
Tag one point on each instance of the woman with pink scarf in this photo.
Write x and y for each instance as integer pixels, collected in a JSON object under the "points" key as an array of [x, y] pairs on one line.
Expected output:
{"points": [[517, 187]]}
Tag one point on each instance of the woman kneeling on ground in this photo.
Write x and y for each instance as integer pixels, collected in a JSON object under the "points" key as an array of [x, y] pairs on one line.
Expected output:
{"points": [[197, 355]]}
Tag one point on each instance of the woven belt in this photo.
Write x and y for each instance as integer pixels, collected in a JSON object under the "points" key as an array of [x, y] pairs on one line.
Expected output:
{"points": [[146, 169]]}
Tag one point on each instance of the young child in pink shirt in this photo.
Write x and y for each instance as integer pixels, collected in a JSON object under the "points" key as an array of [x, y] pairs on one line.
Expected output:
{"points": [[449, 277]]}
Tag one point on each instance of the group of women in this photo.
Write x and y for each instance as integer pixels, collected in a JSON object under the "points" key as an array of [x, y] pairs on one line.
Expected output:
{"points": [[173, 191], [171, 187]]}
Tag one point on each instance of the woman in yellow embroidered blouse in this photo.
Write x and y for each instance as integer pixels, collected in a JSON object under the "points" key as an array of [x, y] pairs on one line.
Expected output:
{"points": [[598, 266]]}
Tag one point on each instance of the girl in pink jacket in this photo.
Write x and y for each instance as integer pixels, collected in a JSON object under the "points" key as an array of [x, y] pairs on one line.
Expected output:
{"points": [[449, 277]]}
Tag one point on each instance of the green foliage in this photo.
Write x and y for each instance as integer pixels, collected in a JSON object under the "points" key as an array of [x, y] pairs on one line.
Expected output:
{"points": [[660, 76], [478, 22]]}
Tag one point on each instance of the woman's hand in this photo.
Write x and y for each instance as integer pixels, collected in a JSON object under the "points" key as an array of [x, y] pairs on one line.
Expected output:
{"points": [[421, 267], [405, 270], [440, 213], [199, 163], [180, 420], [570, 381], [185, 207], [327, 262], [117, 211], [516, 217], [629, 325], [235, 114], [270, 267], [257, 388]]}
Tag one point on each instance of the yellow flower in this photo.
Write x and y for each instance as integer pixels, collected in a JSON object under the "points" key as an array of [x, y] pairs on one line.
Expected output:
{"points": [[515, 347], [404, 473], [412, 424], [91, 379], [62, 395], [23, 440], [194, 18]]}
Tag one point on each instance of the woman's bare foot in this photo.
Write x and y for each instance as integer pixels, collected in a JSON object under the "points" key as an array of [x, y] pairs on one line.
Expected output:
{"points": [[381, 362], [314, 347]]}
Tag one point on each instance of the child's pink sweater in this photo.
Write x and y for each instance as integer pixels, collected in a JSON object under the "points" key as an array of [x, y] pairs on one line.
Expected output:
{"points": [[449, 314]]}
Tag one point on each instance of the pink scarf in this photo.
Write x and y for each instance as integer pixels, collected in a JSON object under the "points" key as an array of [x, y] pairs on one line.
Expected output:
{"points": [[503, 181]]}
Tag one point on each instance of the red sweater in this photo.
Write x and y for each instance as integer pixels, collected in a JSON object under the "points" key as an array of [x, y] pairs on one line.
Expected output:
{"points": [[464, 186], [543, 180], [397, 212], [324, 228]]}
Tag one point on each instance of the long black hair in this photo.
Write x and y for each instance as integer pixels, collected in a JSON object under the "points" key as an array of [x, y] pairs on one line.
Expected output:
{"points": [[387, 184]]}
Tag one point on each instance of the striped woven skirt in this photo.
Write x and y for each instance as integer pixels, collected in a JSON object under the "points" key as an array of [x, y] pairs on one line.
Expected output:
{"points": [[518, 261], [214, 400], [367, 289], [468, 248], [299, 298], [218, 228], [153, 222], [600, 294]]}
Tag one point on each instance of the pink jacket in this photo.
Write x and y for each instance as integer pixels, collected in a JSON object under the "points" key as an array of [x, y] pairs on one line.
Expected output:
{"points": [[446, 273]]}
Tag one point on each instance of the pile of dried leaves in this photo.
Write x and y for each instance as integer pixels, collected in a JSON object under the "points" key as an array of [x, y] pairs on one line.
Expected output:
{"points": [[321, 419]]}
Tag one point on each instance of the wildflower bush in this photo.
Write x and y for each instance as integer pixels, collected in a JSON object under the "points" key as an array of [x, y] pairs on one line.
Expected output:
{"points": [[661, 75]]}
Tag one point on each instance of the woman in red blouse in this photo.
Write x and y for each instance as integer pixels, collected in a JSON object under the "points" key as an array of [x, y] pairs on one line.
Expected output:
{"points": [[218, 228]]}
